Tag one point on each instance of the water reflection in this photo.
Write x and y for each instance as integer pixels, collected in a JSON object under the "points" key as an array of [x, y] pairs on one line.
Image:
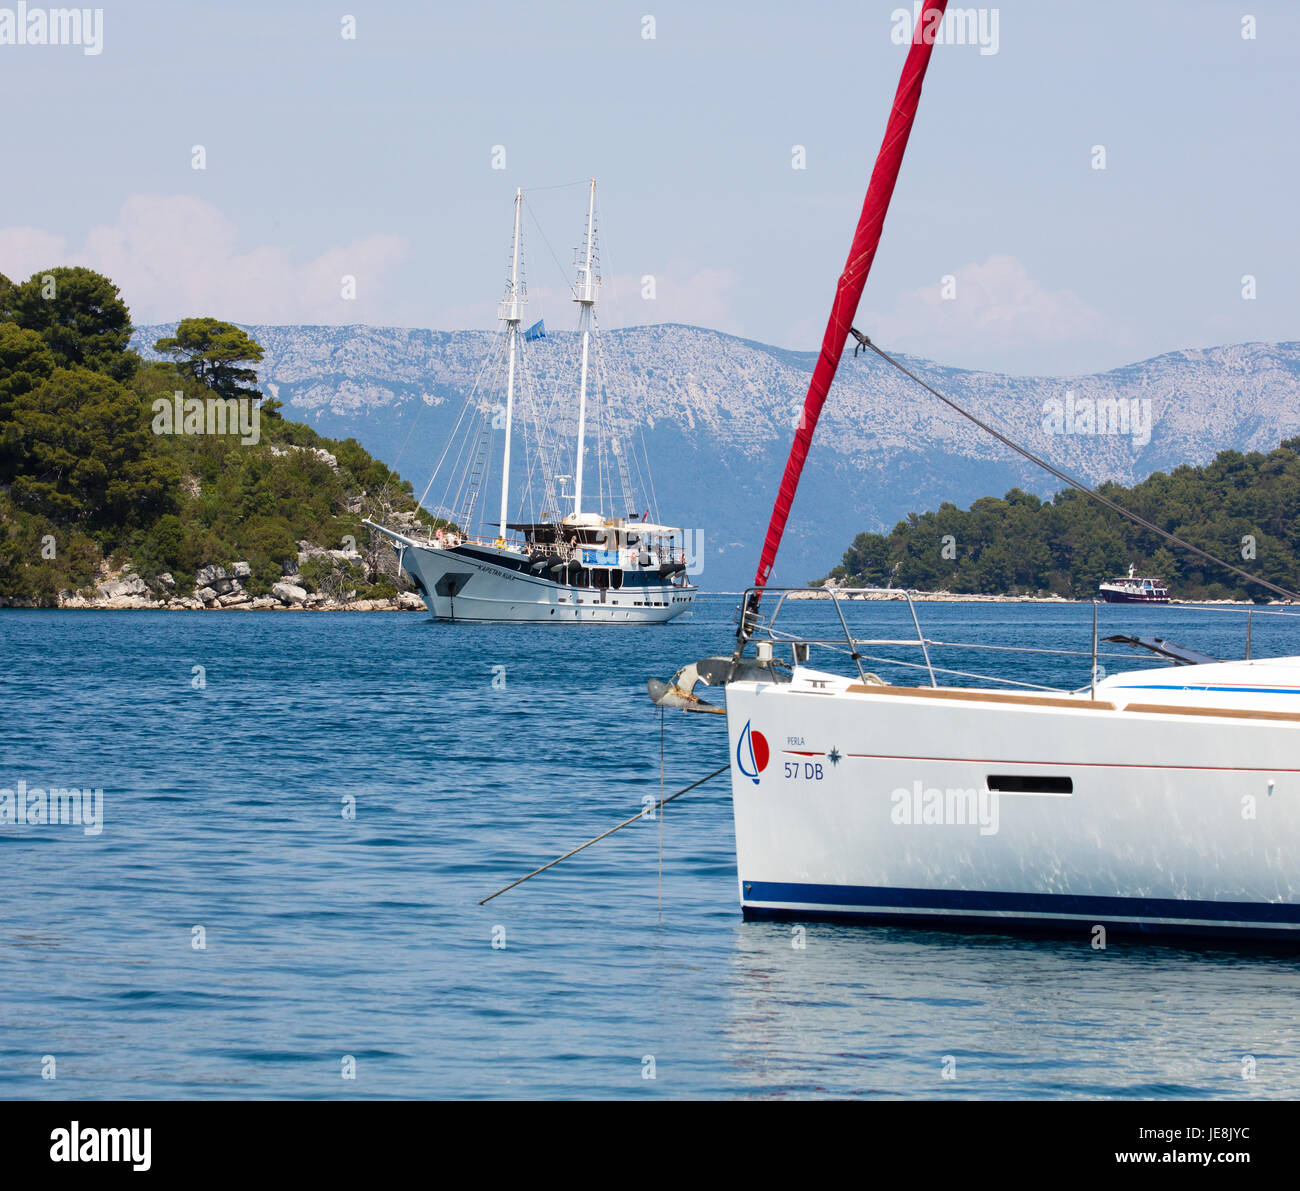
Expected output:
{"points": [[866, 1011]]}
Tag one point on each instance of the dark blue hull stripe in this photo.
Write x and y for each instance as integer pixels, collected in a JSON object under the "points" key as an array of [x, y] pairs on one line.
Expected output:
{"points": [[1008, 925], [1044, 904], [1230, 690]]}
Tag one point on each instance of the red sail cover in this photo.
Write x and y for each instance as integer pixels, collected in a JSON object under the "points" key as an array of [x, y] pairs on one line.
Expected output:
{"points": [[854, 277]]}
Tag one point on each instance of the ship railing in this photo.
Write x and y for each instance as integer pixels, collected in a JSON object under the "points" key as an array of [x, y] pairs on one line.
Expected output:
{"points": [[765, 627]]}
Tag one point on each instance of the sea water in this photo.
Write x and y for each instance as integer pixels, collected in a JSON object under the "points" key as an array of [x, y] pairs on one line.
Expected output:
{"points": [[300, 812]]}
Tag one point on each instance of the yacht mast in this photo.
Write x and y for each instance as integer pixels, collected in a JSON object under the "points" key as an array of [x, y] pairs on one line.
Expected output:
{"points": [[510, 311], [584, 293], [848, 291]]}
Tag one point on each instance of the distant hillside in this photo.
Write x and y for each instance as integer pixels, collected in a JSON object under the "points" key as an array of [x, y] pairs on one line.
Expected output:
{"points": [[718, 414], [1244, 509]]}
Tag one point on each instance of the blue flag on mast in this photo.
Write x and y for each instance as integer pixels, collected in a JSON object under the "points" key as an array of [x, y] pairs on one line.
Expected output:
{"points": [[536, 331]]}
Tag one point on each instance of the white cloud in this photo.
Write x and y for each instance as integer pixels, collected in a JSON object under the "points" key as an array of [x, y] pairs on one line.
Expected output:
{"points": [[1000, 318], [174, 255], [23, 250]]}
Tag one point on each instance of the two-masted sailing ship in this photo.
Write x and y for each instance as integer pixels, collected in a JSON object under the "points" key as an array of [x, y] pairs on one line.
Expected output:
{"points": [[596, 554]]}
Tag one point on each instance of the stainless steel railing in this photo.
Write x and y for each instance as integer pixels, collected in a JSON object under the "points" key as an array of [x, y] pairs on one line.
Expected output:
{"points": [[767, 626]]}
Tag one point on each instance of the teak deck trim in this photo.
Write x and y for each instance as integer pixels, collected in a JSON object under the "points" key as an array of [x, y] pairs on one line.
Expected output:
{"points": [[913, 692], [1236, 713], [917, 692]]}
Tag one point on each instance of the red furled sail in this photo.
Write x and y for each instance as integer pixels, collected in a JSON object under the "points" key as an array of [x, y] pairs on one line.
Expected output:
{"points": [[854, 277]]}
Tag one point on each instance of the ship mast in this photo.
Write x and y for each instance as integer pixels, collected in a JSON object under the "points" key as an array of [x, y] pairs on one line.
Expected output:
{"points": [[584, 293], [848, 291], [510, 312]]}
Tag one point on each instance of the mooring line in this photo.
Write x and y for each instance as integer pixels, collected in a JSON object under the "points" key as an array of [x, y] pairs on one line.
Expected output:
{"points": [[661, 814], [639, 815]]}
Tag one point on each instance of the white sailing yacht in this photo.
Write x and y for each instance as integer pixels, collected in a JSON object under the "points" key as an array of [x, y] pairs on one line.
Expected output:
{"points": [[604, 561], [1158, 801], [1151, 801]]}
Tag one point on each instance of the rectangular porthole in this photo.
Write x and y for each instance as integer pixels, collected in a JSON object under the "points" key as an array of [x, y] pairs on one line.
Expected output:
{"points": [[1029, 783]]}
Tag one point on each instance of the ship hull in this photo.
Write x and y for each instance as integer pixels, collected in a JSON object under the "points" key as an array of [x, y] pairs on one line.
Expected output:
{"points": [[1120, 597], [483, 585], [1178, 823]]}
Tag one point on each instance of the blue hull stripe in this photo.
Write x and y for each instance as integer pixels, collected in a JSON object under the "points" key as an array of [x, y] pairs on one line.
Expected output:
{"points": [[1230, 690], [1045, 904]]}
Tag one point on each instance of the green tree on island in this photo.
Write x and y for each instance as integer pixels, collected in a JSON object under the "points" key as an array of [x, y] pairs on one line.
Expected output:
{"points": [[84, 481], [218, 355], [25, 363], [79, 314], [88, 458]]}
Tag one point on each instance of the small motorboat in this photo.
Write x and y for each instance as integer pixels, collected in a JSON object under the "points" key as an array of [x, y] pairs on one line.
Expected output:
{"points": [[1134, 589]]}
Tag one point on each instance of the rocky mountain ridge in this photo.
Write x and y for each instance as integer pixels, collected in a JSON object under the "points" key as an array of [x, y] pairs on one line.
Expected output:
{"points": [[717, 414]]}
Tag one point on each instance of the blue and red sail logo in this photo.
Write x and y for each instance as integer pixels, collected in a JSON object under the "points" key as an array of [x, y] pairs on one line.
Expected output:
{"points": [[752, 752]]}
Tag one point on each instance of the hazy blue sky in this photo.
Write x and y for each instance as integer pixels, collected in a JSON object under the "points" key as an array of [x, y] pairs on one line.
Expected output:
{"points": [[373, 157]]}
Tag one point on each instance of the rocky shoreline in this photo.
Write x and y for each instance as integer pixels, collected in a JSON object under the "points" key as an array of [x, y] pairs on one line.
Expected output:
{"points": [[220, 588], [927, 597], [406, 601], [949, 597]]}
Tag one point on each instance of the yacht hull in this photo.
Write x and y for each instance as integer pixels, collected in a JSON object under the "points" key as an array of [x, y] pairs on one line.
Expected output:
{"points": [[482, 585], [881, 807], [1122, 597]]}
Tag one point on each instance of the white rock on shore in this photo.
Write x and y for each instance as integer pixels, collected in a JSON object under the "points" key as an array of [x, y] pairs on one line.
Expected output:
{"points": [[289, 593], [207, 576], [127, 585]]}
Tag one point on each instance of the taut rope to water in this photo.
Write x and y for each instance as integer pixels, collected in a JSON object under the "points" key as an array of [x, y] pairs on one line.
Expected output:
{"points": [[618, 826]]}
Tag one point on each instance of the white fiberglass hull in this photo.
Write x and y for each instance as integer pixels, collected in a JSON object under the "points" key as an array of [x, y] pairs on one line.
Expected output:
{"points": [[468, 585], [882, 806]]}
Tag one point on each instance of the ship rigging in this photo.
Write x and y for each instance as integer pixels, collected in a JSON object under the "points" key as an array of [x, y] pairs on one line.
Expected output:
{"points": [[596, 554]]}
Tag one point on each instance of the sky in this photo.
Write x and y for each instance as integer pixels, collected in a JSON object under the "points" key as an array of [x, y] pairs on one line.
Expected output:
{"points": [[376, 156]]}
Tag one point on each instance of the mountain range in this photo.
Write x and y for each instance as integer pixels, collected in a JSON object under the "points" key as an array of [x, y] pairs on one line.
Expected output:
{"points": [[717, 414]]}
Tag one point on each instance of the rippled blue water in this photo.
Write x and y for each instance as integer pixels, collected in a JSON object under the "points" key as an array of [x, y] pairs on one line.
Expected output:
{"points": [[327, 937]]}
